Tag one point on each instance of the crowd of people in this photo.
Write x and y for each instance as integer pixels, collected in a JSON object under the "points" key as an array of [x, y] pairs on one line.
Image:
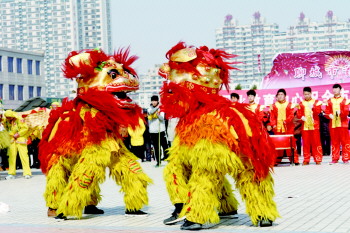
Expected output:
{"points": [[319, 127]]}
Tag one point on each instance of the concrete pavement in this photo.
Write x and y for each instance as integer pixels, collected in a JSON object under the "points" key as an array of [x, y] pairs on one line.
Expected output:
{"points": [[309, 198]]}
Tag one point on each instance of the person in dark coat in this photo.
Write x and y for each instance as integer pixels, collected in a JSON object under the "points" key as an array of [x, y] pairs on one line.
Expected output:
{"points": [[324, 134]]}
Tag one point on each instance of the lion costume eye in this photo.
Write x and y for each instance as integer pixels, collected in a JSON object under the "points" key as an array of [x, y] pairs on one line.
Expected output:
{"points": [[113, 73]]}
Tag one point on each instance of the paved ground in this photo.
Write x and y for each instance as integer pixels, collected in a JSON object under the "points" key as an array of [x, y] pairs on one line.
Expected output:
{"points": [[310, 199]]}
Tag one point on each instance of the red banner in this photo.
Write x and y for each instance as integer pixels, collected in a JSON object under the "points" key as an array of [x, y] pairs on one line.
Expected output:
{"points": [[308, 69]]}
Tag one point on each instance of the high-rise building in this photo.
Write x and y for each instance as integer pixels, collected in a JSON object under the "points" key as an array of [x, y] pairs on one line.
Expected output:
{"points": [[252, 43], [331, 34], [55, 27], [258, 43]]}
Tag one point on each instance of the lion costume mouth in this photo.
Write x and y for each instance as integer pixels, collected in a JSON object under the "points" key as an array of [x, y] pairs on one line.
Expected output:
{"points": [[123, 98]]}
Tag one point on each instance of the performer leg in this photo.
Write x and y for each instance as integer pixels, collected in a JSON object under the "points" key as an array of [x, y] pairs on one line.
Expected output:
{"points": [[87, 174], [203, 199], [56, 181], [23, 154], [345, 144], [317, 152], [164, 144], [228, 202], [335, 142], [307, 140], [155, 143], [258, 196], [128, 173], [12, 153], [176, 177]]}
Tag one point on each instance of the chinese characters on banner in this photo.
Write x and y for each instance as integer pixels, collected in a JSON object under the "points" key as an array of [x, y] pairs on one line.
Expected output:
{"points": [[308, 69]]}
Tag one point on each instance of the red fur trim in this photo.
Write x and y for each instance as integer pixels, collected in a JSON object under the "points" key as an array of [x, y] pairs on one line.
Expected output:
{"points": [[122, 57], [84, 69], [75, 133], [189, 106]]}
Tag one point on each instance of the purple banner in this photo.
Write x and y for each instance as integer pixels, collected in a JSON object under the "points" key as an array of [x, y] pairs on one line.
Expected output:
{"points": [[308, 69], [295, 95]]}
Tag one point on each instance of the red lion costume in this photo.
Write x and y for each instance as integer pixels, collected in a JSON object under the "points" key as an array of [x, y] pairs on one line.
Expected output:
{"points": [[83, 138], [213, 138]]}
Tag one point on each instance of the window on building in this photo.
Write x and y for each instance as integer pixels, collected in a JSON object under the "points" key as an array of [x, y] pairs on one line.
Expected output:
{"points": [[37, 67], [20, 92], [30, 66], [38, 91], [31, 92], [10, 64], [19, 65], [12, 92], [0, 63], [1, 93]]}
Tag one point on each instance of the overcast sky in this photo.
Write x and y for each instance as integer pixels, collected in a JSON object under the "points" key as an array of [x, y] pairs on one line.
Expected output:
{"points": [[152, 27]]}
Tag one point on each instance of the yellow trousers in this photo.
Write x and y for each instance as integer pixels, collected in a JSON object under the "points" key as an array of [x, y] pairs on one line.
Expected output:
{"points": [[73, 183], [23, 154]]}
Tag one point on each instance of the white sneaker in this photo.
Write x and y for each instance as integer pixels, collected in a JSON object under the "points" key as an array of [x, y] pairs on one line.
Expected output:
{"points": [[27, 177], [10, 177]]}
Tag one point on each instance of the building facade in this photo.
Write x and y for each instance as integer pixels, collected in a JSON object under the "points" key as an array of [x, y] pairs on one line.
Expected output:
{"points": [[55, 27], [21, 76], [150, 84], [258, 43]]}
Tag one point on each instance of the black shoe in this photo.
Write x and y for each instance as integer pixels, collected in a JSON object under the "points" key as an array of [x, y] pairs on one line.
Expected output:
{"points": [[231, 214], [157, 165], [135, 213], [265, 222], [92, 209], [61, 217], [188, 225], [174, 218]]}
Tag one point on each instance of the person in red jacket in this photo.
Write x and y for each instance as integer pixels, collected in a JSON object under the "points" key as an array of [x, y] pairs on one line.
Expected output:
{"points": [[308, 111], [254, 107], [281, 119], [337, 110]]}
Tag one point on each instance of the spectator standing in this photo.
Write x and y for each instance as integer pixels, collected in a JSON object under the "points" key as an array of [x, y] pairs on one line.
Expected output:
{"points": [[337, 110], [18, 132], [254, 107], [156, 123], [308, 112], [281, 119]]}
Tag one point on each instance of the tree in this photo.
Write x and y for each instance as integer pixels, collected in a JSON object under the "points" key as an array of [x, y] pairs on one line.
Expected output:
{"points": [[254, 87], [238, 87]]}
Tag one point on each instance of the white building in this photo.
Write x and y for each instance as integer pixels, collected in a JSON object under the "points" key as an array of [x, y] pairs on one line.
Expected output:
{"points": [[55, 27], [150, 84], [21, 76], [257, 44]]}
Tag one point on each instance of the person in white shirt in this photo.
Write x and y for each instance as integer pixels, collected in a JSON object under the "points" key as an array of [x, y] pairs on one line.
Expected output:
{"points": [[156, 123]]}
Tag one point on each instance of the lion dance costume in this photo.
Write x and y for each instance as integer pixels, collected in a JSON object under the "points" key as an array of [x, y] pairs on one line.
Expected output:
{"points": [[82, 138], [214, 137]]}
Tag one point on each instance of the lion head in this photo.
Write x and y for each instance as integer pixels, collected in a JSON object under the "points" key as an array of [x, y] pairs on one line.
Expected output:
{"points": [[93, 69]]}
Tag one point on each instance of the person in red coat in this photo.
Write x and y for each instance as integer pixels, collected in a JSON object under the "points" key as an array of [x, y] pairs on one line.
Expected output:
{"points": [[337, 110], [308, 112], [281, 119]]}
